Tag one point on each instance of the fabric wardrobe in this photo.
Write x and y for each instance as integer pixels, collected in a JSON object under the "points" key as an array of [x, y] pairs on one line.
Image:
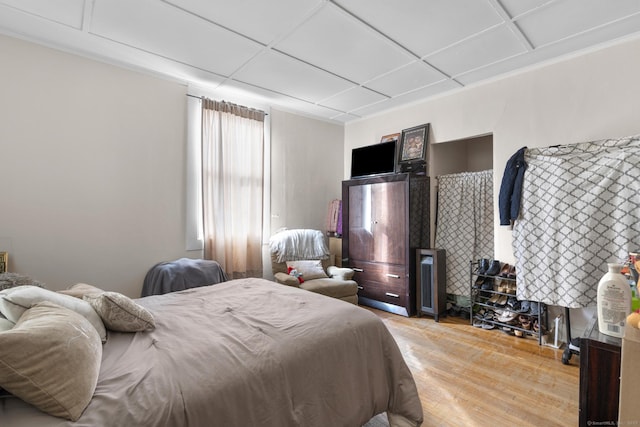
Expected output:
{"points": [[580, 209]]}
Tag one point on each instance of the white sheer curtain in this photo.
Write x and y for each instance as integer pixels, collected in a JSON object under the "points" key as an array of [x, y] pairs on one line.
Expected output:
{"points": [[232, 187]]}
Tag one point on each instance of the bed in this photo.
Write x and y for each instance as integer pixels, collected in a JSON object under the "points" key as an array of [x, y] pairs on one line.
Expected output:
{"points": [[246, 352]]}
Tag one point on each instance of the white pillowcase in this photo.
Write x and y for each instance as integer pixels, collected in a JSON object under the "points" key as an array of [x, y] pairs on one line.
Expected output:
{"points": [[309, 269], [15, 301]]}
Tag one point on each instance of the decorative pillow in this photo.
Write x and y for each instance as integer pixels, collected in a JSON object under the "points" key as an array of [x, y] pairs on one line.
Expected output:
{"points": [[309, 269], [11, 280], [51, 359], [15, 301], [79, 290], [121, 313], [340, 273]]}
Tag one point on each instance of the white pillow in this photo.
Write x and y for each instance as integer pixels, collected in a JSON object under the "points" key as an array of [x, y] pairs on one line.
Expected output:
{"points": [[15, 301], [309, 269]]}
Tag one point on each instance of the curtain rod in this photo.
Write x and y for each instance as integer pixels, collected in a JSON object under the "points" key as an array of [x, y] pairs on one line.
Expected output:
{"points": [[200, 97]]}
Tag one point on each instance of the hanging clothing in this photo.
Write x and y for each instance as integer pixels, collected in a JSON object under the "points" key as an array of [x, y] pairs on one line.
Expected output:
{"points": [[580, 210], [511, 188], [465, 224]]}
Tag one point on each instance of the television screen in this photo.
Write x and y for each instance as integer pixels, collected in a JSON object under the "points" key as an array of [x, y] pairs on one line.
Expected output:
{"points": [[373, 159]]}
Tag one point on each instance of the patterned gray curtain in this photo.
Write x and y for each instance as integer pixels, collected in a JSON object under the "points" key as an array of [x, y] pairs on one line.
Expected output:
{"points": [[465, 224], [580, 210]]}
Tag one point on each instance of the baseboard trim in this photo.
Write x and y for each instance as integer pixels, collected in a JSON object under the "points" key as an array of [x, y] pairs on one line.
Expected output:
{"points": [[396, 309]]}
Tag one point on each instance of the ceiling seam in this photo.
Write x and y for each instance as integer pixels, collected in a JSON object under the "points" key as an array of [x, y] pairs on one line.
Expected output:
{"points": [[400, 94], [511, 25], [597, 27], [534, 9], [389, 39], [156, 54], [268, 47], [87, 15], [289, 96]]}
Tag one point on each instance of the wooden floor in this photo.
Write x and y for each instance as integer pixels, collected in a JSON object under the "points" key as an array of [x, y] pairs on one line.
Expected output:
{"points": [[468, 376]]}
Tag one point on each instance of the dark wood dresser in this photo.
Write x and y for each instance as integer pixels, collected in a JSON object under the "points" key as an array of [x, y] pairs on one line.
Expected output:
{"points": [[599, 377], [385, 218]]}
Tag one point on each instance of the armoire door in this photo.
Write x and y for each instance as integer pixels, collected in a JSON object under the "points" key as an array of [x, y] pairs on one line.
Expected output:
{"points": [[389, 207], [377, 222]]}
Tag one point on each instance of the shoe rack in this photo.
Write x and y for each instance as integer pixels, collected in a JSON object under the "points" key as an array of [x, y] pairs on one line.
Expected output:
{"points": [[494, 304]]}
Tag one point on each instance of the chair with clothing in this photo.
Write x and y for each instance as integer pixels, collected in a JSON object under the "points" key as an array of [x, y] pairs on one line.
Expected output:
{"points": [[300, 258], [181, 274]]}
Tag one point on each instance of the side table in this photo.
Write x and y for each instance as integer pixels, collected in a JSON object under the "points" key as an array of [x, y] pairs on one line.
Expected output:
{"points": [[599, 377]]}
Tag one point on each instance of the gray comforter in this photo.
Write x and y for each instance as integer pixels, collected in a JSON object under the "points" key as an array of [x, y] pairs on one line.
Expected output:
{"points": [[246, 353]]}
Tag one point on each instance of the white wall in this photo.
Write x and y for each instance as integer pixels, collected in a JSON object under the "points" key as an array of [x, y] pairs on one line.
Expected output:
{"points": [[92, 166], [306, 170], [92, 169]]}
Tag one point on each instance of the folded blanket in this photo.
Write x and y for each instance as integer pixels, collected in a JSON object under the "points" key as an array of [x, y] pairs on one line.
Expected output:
{"points": [[296, 244]]}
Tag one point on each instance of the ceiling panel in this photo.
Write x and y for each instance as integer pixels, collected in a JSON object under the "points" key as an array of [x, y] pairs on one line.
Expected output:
{"points": [[172, 34], [264, 21], [425, 26], [489, 47], [352, 98], [405, 79], [345, 117], [407, 98], [518, 7], [284, 74], [348, 54], [545, 54], [67, 12], [336, 42], [563, 19]]}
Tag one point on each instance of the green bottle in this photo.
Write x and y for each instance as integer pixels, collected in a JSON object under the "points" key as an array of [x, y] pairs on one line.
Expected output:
{"points": [[635, 301]]}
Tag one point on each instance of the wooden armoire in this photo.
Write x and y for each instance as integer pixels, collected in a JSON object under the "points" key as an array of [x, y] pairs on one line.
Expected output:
{"points": [[385, 219]]}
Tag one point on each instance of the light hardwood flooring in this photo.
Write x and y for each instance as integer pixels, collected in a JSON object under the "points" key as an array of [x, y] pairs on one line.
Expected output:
{"points": [[468, 376]]}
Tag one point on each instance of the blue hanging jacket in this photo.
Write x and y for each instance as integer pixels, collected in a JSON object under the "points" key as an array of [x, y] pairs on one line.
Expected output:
{"points": [[511, 188]]}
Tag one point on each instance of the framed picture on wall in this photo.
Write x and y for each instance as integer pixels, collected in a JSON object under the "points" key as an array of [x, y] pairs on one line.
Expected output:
{"points": [[413, 144], [413, 148], [390, 137], [4, 261]]}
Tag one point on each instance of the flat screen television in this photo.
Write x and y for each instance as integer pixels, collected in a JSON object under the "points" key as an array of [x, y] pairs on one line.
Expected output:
{"points": [[373, 159]]}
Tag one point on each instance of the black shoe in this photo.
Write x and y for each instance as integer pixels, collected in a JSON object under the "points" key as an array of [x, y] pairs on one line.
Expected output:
{"points": [[483, 266], [525, 306], [494, 268], [487, 284], [479, 281]]}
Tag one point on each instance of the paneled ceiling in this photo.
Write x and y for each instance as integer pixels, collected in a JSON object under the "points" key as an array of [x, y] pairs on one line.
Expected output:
{"points": [[333, 59]]}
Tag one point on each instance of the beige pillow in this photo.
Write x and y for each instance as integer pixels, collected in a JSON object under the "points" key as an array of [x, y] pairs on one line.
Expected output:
{"points": [[121, 313], [15, 301], [79, 290], [51, 359], [309, 269]]}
